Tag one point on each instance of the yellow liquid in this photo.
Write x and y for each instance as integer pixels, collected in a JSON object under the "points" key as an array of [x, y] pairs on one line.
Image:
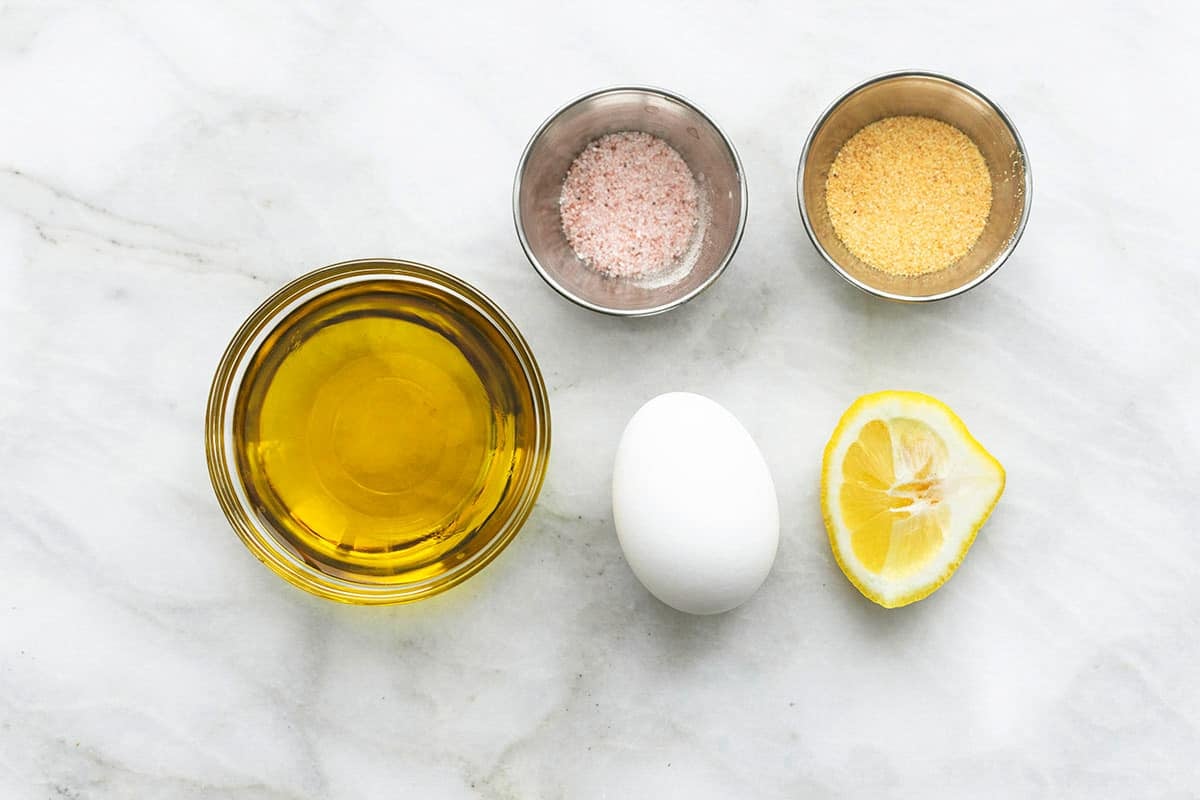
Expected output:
{"points": [[378, 428]]}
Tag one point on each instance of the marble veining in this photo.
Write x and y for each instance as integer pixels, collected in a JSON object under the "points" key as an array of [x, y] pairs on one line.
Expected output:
{"points": [[164, 167]]}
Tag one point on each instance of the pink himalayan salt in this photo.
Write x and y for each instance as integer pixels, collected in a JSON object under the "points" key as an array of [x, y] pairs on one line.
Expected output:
{"points": [[629, 204]]}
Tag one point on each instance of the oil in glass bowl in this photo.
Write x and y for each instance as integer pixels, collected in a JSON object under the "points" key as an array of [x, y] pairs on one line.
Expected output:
{"points": [[386, 431]]}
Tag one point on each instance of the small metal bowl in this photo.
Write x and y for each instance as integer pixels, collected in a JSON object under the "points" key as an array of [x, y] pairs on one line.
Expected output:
{"points": [[923, 94], [544, 164]]}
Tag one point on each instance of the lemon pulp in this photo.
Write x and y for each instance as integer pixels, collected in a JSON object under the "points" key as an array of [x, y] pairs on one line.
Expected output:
{"points": [[905, 489]]}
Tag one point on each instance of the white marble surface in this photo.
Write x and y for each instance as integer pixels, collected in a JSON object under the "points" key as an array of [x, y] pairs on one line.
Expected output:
{"points": [[164, 167]]}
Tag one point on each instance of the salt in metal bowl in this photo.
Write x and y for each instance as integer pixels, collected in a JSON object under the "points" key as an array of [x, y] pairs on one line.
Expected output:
{"points": [[544, 164]]}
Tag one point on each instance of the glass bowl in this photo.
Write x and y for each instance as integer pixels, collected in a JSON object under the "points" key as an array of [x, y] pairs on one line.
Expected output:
{"points": [[338, 550]]}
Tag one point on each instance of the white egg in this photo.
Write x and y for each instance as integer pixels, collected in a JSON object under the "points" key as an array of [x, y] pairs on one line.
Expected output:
{"points": [[694, 504]]}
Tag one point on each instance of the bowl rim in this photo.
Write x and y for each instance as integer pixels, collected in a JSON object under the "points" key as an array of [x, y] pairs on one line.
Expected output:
{"points": [[520, 224], [1003, 255], [227, 381]]}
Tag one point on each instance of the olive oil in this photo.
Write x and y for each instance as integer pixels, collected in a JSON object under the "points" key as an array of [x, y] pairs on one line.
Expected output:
{"points": [[378, 427]]}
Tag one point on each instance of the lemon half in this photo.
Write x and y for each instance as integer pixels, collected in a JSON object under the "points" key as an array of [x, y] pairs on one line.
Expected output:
{"points": [[904, 490]]}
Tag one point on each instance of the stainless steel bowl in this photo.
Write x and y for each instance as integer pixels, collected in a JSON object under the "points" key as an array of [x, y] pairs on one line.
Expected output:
{"points": [[709, 154], [923, 94]]}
